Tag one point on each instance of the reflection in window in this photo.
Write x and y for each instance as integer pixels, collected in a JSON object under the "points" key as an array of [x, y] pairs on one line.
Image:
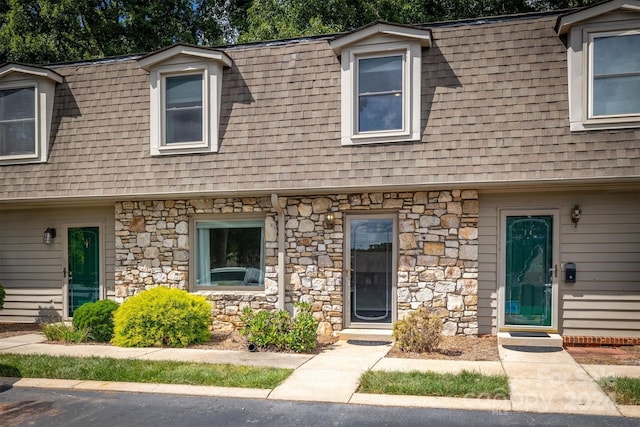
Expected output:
{"points": [[184, 109], [17, 121], [229, 253], [371, 259], [380, 93], [616, 75]]}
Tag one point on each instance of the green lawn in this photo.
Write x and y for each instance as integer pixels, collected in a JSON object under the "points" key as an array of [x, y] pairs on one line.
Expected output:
{"points": [[465, 384], [625, 391], [142, 371]]}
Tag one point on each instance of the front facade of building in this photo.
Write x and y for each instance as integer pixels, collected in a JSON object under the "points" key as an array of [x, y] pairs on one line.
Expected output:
{"points": [[489, 171]]}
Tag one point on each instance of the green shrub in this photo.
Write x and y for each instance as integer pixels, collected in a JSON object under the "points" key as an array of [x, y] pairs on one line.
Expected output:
{"points": [[2, 295], [162, 317], [302, 335], [265, 328], [97, 317], [278, 331], [65, 333], [418, 332]]}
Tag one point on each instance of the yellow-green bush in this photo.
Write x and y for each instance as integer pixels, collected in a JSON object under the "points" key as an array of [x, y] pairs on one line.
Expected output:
{"points": [[418, 332], [162, 317]]}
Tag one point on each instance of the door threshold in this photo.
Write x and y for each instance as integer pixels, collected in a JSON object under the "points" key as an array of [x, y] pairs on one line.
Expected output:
{"points": [[352, 334], [530, 339]]}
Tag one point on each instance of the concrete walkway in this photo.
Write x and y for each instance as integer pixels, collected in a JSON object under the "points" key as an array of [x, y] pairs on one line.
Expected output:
{"points": [[540, 380], [549, 380]]}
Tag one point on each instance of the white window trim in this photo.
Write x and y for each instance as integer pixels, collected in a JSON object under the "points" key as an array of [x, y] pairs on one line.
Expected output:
{"points": [[18, 158], [412, 53], [211, 96], [590, 37], [44, 84], [193, 268], [579, 55]]}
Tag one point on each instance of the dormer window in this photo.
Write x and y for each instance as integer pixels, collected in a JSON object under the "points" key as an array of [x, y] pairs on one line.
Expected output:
{"points": [[186, 89], [183, 108], [381, 91], [18, 122], [604, 65], [26, 109], [614, 76]]}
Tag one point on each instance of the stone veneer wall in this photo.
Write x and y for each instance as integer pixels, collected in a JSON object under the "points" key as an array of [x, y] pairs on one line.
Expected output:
{"points": [[437, 252], [153, 248]]}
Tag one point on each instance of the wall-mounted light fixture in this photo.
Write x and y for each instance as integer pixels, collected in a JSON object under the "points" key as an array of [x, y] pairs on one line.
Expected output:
{"points": [[49, 235], [329, 220], [576, 213]]}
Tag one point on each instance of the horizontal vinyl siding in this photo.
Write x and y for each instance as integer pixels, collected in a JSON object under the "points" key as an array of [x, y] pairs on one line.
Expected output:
{"points": [[605, 300], [32, 272], [605, 246], [487, 269]]}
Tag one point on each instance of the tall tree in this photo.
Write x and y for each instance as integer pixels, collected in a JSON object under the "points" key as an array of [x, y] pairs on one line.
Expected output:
{"points": [[273, 19], [36, 31]]}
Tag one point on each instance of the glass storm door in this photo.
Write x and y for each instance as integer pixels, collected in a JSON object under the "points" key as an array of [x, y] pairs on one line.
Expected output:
{"points": [[84, 266], [372, 269], [529, 261]]}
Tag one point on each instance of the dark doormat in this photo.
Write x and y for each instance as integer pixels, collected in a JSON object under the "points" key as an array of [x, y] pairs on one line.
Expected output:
{"points": [[365, 342], [529, 334], [532, 349]]}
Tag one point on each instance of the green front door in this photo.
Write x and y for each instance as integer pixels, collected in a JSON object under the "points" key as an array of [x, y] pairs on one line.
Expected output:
{"points": [[84, 266], [529, 261]]}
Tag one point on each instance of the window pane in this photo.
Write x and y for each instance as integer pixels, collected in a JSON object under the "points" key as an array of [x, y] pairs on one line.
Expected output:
{"points": [[17, 138], [17, 104], [184, 91], [380, 74], [17, 122], [616, 95], [380, 93], [183, 109], [616, 54], [229, 254], [380, 112], [184, 125]]}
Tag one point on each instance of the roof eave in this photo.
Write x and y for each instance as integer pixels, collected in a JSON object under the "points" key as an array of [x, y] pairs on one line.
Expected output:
{"points": [[423, 35], [12, 67], [149, 61], [565, 22]]}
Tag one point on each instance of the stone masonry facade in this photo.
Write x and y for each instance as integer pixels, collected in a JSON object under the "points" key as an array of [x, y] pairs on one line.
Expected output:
{"points": [[437, 252]]}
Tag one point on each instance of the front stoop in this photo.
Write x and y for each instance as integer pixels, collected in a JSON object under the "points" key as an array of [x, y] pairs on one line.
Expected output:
{"points": [[382, 335], [529, 340]]}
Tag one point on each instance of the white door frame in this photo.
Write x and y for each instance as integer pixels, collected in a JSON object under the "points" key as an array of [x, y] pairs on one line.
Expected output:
{"points": [[66, 225], [502, 254]]}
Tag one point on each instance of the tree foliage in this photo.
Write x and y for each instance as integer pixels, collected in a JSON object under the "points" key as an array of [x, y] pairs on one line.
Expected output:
{"points": [[274, 19], [39, 31], [36, 31]]}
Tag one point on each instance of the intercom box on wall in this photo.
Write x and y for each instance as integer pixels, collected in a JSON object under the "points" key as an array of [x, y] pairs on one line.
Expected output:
{"points": [[570, 272]]}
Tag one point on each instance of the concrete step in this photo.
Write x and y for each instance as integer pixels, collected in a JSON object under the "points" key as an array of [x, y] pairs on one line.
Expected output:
{"points": [[529, 339], [383, 335]]}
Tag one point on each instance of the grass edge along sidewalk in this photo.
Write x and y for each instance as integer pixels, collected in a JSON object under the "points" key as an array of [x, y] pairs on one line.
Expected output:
{"points": [[140, 371], [624, 390], [464, 384]]}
